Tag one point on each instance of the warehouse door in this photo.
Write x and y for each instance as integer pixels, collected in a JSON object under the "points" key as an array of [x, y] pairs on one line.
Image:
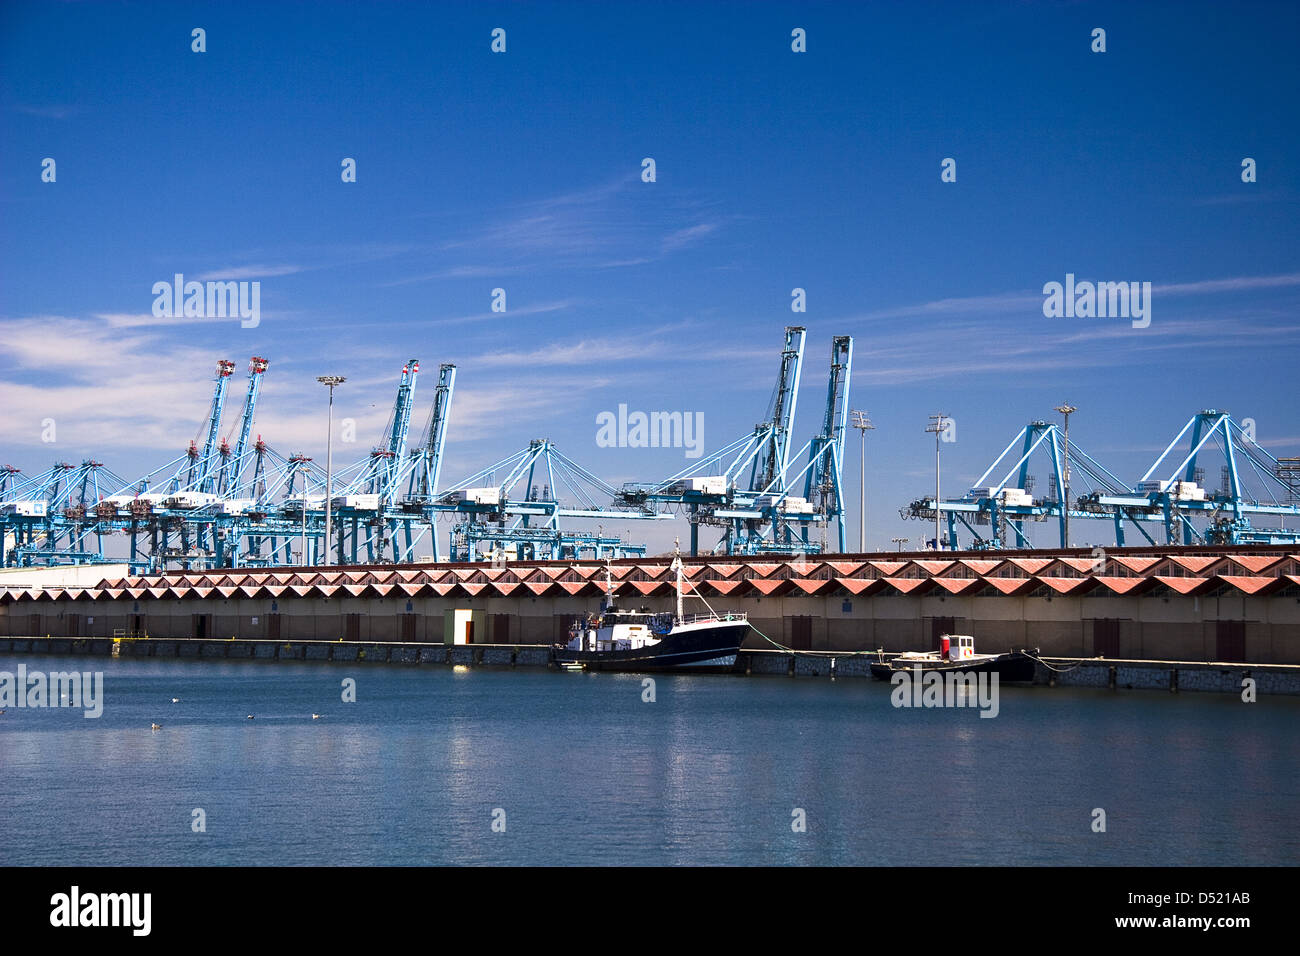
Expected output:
{"points": [[408, 628], [801, 633], [74, 625], [1230, 640], [500, 628], [1105, 637], [352, 627], [201, 628], [35, 627], [939, 626], [273, 627]]}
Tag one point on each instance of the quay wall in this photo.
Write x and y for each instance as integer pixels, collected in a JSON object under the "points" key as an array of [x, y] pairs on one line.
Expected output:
{"points": [[1142, 626], [1112, 674]]}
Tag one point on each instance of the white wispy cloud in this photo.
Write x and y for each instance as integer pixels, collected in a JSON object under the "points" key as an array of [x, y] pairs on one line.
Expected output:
{"points": [[602, 227], [135, 396], [1236, 284], [597, 353], [507, 318], [52, 111], [960, 305], [249, 272], [1033, 300], [684, 237]]}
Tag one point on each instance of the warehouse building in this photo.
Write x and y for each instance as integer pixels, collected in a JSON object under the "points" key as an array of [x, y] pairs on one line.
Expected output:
{"points": [[1191, 604]]}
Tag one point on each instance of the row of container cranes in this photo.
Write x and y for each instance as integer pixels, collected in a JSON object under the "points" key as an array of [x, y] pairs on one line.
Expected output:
{"points": [[1168, 505], [235, 501]]}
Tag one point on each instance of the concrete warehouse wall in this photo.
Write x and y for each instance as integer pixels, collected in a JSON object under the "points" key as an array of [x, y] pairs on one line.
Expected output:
{"points": [[1148, 626]]}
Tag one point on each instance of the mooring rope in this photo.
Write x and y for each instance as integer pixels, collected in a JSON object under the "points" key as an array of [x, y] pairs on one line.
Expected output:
{"points": [[696, 594], [1059, 670], [766, 638], [792, 650]]}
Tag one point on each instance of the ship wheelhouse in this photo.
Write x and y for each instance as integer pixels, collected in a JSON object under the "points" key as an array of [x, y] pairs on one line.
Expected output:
{"points": [[619, 629]]}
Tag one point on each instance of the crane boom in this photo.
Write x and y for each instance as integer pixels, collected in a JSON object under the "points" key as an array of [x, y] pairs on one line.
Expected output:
{"points": [[256, 367]]}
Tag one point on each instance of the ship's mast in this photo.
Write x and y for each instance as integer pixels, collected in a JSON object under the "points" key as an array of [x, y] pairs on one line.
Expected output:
{"points": [[677, 568], [609, 586]]}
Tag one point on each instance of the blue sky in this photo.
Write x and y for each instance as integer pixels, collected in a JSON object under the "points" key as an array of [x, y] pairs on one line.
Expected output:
{"points": [[775, 170]]}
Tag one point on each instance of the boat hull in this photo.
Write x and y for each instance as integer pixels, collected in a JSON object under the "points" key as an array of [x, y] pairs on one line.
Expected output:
{"points": [[1013, 668], [712, 649]]}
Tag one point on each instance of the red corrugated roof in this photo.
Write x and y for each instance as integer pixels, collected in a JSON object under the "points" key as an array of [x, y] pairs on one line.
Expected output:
{"points": [[1137, 565], [1255, 563], [1062, 585], [1030, 565], [907, 585], [1121, 585], [724, 570], [1084, 565], [1183, 585], [1245, 584], [1009, 586], [647, 587], [932, 567], [720, 586], [1193, 563], [958, 585], [857, 586], [812, 585]]}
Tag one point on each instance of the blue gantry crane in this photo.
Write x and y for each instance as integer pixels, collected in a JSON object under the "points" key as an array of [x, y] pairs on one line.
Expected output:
{"points": [[1171, 505], [1004, 507], [761, 513], [1254, 485], [496, 521]]}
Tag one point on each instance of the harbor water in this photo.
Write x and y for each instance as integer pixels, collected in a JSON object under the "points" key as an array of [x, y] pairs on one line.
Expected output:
{"points": [[498, 766]]}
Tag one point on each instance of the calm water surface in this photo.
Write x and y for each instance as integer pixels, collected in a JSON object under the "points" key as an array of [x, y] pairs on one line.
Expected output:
{"points": [[588, 773]]}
